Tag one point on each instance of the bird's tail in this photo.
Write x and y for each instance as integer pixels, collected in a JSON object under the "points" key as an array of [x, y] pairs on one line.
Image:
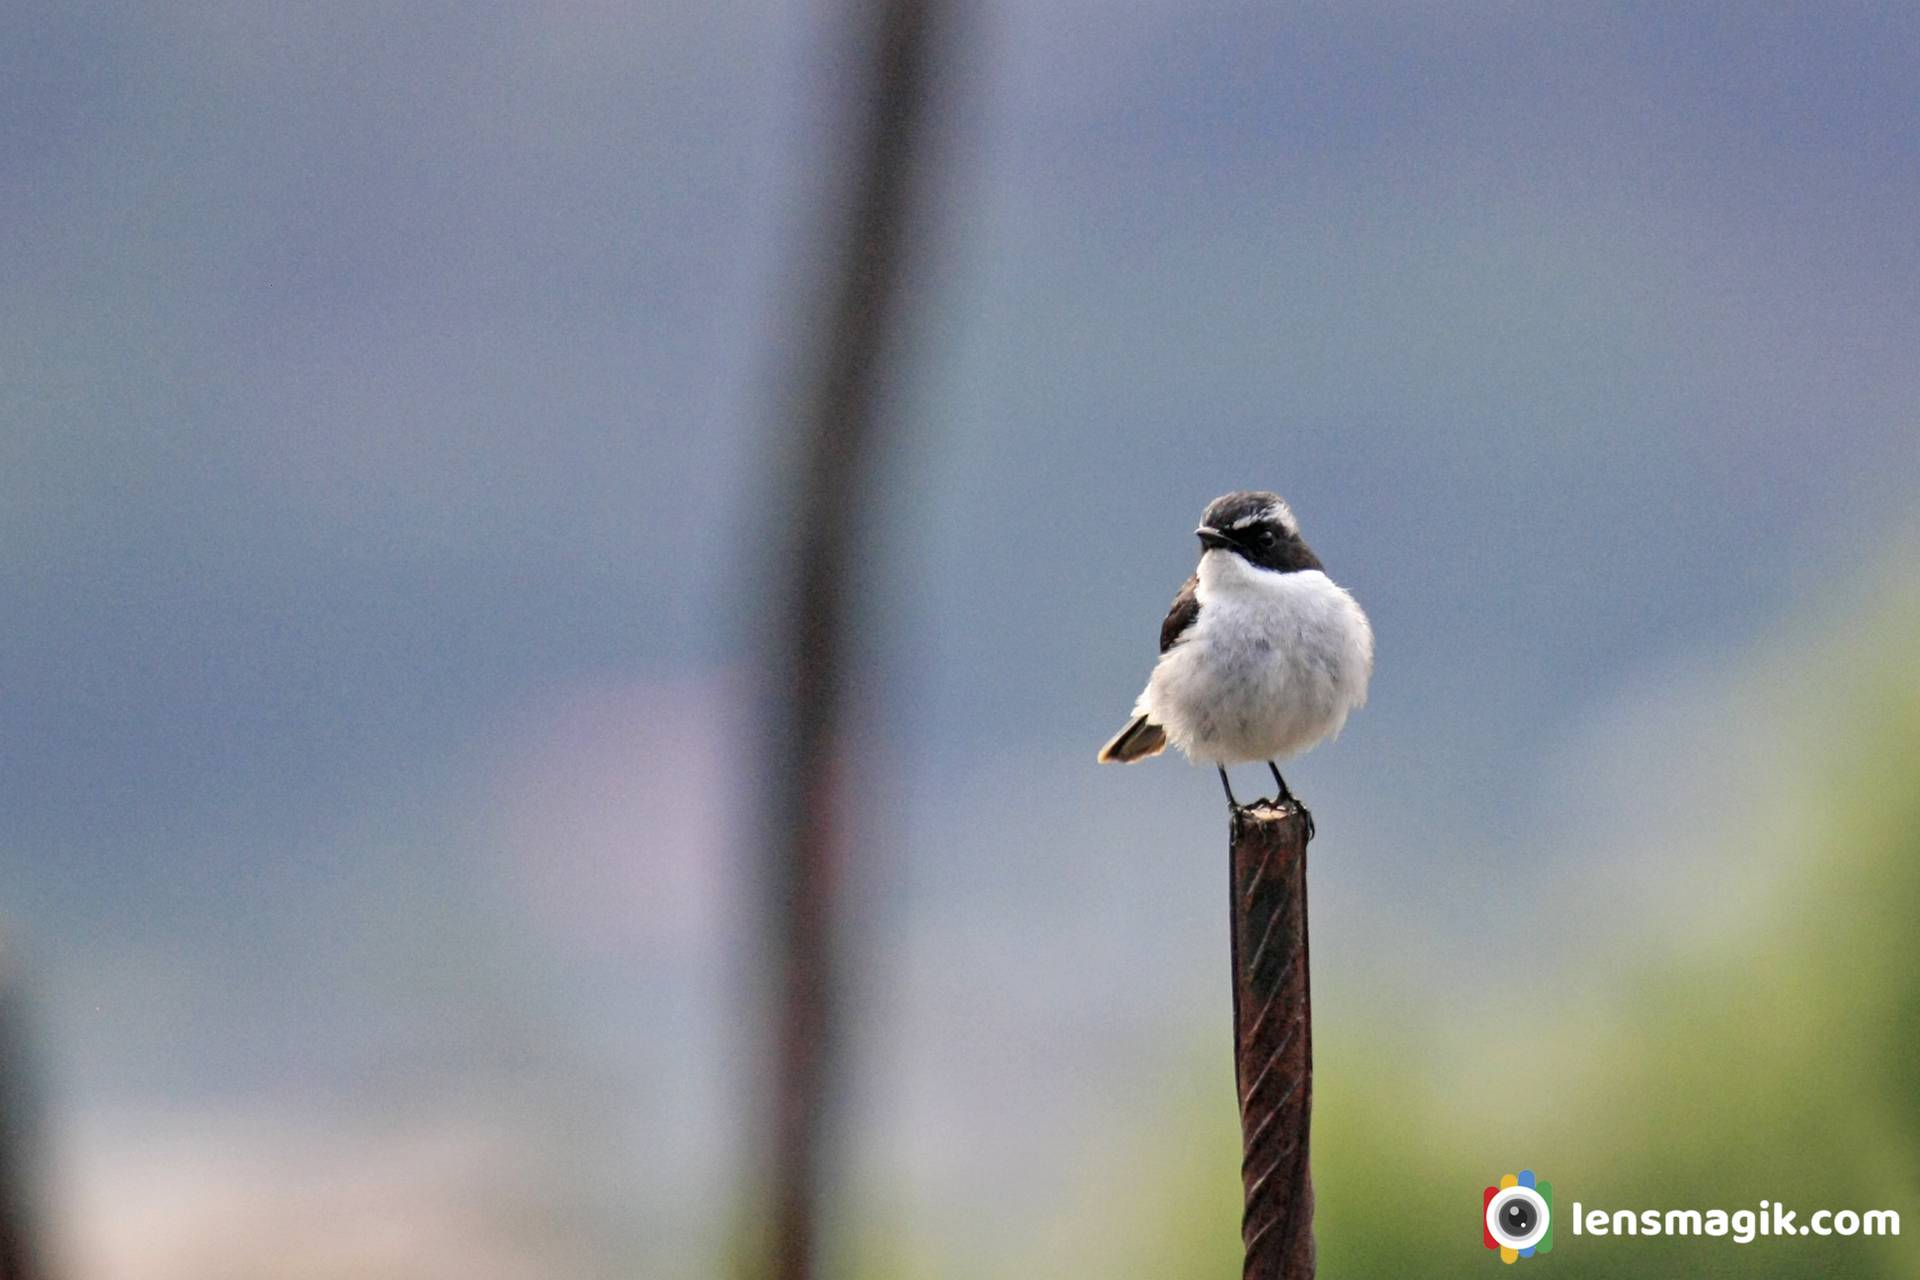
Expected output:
{"points": [[1140, 739]]}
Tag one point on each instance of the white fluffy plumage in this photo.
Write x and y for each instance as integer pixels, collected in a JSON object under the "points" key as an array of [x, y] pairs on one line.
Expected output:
{"points": [[1272, 665]]}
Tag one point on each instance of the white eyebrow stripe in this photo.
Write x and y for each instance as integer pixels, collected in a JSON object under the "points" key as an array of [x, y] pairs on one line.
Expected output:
{"points": [[1279, 513]]}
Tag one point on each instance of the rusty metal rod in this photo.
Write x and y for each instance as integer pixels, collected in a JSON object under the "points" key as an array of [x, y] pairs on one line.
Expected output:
{"points": [[1273, 1037]]}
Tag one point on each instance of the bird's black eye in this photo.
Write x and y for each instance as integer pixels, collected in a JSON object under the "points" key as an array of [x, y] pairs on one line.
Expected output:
{"points": [[1267, 538]]}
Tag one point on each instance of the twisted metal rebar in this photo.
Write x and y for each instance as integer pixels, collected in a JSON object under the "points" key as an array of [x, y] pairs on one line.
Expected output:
{"points": [[1273, 1037]]}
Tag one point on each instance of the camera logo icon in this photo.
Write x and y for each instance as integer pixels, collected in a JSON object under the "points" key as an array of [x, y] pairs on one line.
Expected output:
{"points": [[1519, 1216]]}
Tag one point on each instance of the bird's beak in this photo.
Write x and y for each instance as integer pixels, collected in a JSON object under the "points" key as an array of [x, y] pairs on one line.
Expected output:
{"points": [[1212, 537]]}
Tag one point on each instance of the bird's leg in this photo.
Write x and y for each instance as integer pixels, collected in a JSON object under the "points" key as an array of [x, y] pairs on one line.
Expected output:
{"points": [[1287, 797], [1228, 785]]}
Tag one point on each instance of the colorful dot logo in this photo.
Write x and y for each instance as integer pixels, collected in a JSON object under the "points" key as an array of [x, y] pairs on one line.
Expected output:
{"points": [[1519, 1216]]}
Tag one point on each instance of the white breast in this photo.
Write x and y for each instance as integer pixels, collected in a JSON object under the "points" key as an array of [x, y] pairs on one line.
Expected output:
{"points": [[1272, 666]]}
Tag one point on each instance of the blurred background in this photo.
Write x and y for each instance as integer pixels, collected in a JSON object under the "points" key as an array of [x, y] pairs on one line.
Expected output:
{"points": [[388, 411]]}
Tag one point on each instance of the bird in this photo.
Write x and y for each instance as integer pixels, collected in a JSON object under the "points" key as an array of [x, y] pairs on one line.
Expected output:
{"points": [[1262, 655]]}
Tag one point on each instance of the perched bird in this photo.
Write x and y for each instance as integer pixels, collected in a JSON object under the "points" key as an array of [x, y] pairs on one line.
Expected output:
{"points": [[1262, 654]]}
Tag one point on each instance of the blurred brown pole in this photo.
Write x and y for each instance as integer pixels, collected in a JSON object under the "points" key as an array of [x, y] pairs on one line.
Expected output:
{"points": [[1273, 1038], [19, 1259], [839, 428]]}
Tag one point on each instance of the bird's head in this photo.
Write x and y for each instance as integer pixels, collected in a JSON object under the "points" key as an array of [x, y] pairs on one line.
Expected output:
{"points": [[1259, 528]]}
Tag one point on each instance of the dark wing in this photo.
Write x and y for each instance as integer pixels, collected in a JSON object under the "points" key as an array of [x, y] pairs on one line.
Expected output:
{"points": [[1184, 613]]}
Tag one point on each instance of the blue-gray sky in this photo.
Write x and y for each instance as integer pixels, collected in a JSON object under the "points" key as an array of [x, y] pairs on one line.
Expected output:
{"points": [[386, 420]]}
